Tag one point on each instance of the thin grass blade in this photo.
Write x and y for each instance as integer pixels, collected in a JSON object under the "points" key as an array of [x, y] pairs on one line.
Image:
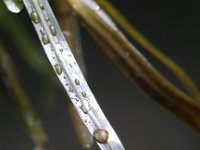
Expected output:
{"points": [[67, 70]]}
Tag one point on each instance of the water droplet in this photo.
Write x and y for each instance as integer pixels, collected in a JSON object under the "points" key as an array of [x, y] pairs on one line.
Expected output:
{"points": [[66, 34], [84, 109], [70, 65], [41, 6], [85, 120], [34, 17], [53, 30], [14, 6], [58, 69], [83, 94], [45, 38], [101, 135], [87, 146], [58, 44], [77, 82], [77, 99], [97, 7], [70, 89], [46, 16]]}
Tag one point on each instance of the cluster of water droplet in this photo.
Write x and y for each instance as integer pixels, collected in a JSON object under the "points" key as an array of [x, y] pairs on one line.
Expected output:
{"points": [[68, 71]]}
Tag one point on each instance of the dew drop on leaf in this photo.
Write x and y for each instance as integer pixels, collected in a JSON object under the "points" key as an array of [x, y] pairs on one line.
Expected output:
{"points": [[45, 39], [14, 6], [58, 69], [34, 17], [83, 94], [77, 82], [53, 30], [101, 136]]}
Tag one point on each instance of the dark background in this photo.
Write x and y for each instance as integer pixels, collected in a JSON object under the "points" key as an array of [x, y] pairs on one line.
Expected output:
{"points": [[141, 124]]}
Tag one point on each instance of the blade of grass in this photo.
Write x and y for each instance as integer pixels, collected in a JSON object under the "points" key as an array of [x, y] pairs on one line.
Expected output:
{"points": [[84, 136], [150, 47], [67, 70], [68, 23], [69, 26]]}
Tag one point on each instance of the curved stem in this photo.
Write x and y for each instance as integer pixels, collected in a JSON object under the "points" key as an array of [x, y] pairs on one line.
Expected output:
{"points": [[135, 65], [136, 35], [14, 92]]}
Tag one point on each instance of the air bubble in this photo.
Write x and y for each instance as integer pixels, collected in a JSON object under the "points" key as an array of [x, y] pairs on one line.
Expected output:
{"points": [[34, 17], [53, 30], [77, 82], [101, 136], [58, 69]]}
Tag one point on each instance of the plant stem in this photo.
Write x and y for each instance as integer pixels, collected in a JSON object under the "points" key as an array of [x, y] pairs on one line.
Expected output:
{"points": [[14, 92], [151, 48], [135, 65]]}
